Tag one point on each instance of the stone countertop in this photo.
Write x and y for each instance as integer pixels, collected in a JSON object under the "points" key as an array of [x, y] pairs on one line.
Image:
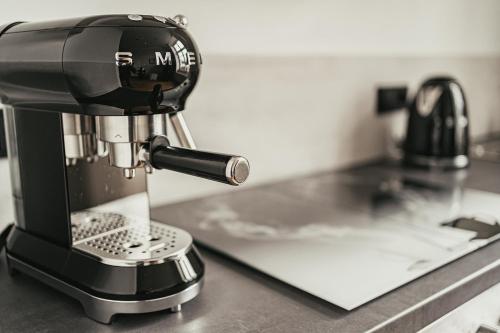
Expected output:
{"points": [[237, 298]]}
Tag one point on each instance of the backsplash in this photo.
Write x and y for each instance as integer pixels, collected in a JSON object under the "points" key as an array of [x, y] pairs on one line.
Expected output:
{"points": [[296, 115]]}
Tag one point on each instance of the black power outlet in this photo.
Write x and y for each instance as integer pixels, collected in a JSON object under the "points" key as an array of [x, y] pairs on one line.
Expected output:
{"points": [[391, 99], [3, 139]]}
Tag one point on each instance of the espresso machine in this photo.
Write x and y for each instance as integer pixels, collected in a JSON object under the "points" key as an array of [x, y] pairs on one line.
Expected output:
{"points": [[86, 102]]}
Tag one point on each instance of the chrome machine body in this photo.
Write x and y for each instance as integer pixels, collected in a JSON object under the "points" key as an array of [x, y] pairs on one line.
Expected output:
{"points": [[87, 102]]}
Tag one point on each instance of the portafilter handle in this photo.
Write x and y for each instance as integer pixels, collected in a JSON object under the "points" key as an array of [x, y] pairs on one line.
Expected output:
{"points": [[228, 169]]}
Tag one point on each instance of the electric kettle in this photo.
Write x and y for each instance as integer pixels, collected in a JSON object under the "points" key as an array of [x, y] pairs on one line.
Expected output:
{"points": [[438, 126]]}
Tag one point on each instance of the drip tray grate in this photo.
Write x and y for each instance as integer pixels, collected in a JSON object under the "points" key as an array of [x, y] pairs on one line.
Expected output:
{"points": [[125, 241]]}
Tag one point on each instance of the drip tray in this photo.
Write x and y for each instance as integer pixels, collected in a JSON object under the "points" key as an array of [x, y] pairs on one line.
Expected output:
{"points": [[122, 240], [346, 237]]}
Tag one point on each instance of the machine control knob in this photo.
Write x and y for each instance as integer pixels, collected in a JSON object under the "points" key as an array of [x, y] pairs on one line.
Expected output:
{"points": [[181, 20], [135, 17]]}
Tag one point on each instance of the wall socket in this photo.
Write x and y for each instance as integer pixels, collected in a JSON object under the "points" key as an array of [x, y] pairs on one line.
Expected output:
{"points": [[3, 138], [390, 99]]}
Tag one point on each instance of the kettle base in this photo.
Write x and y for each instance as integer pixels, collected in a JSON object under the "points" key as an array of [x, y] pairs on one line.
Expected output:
{"points": [[456, 162]]}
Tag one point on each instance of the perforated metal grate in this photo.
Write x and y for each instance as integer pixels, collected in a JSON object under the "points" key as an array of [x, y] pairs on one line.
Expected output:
{"points": [[120, 240]]}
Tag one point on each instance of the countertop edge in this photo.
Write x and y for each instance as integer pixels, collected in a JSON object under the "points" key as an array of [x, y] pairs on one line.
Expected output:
{"points": [[436, 306]]}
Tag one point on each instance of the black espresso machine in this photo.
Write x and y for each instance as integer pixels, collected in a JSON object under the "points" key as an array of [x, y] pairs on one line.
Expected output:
{"points": [[86, 102]]}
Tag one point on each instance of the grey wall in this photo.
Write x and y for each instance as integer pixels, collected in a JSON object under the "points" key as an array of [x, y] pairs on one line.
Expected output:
{"points": [[290, 84]]}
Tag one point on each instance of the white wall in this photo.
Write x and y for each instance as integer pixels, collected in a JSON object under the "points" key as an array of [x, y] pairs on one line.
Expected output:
{"points": [[290, 84], [294, 115], [263, 27]]}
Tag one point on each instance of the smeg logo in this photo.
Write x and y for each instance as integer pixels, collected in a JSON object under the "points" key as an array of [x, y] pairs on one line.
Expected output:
{"points": [[123, 58], [161, 58]]}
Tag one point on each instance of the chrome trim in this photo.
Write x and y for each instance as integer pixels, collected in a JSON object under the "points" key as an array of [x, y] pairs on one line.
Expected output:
{"points": [[237, 170], [80, 141], [129, 173], [182, 131], [125, 136], [103, 309], [126, 129], [185, 269]]}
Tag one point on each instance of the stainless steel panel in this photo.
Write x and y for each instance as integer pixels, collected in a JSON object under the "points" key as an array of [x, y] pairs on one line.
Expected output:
{"points": [[346, 238]]}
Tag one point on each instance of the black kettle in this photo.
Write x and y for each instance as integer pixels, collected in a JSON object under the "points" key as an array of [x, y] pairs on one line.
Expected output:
{"points": [[438, 126]]}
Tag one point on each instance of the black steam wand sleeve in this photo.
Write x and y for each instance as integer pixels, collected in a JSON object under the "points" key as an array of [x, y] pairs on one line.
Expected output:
{"points": [[228, 169]]}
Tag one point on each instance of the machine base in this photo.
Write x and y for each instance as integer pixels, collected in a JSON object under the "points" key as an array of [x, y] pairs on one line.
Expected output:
{"points": [[102, 309]]}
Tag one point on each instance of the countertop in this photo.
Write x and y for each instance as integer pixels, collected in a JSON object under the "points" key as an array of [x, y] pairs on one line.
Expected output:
{"points": [[237, 298]]}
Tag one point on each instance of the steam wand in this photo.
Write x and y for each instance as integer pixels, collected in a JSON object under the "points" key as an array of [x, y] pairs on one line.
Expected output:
{"points": [[159, 154]]}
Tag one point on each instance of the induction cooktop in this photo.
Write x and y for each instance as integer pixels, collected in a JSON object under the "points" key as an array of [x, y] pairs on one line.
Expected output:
{"points": [[346, 237]]}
